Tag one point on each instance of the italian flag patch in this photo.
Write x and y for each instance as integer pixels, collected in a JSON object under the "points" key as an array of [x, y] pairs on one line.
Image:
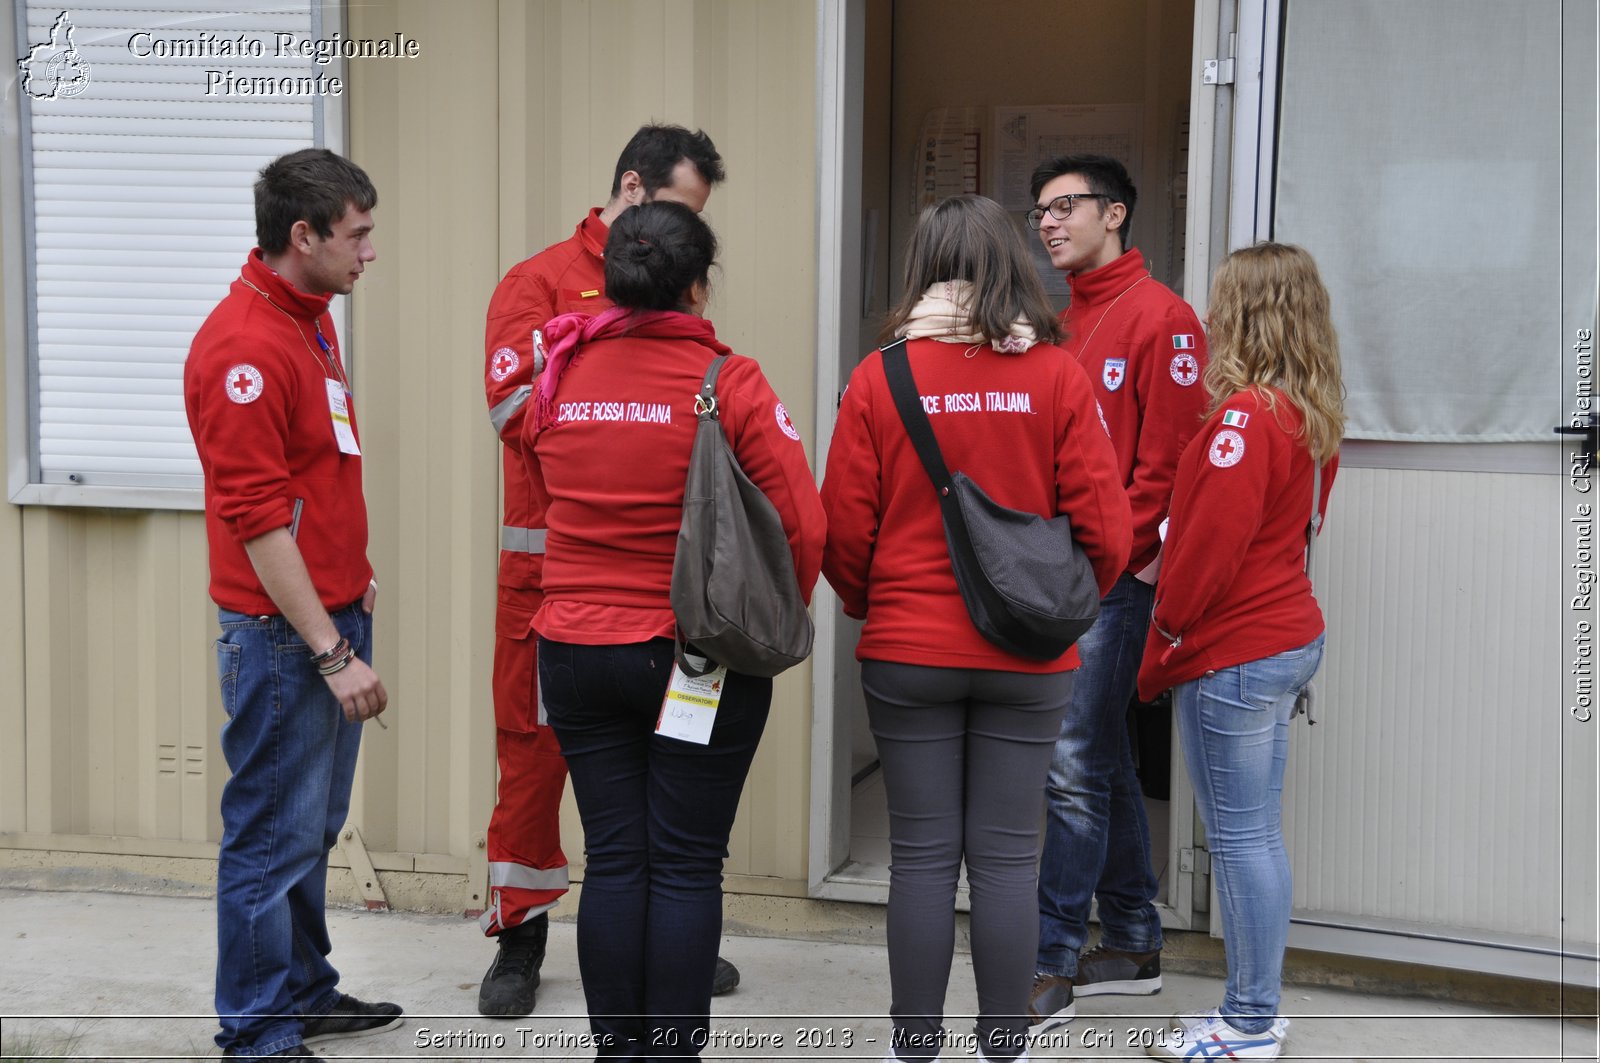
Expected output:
{"points": [[1184, 342], [1235, 418]]}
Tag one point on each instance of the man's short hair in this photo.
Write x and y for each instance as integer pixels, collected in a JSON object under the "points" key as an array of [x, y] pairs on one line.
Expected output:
{"points": [[1104, 175], [654, 152], [312, 185]]}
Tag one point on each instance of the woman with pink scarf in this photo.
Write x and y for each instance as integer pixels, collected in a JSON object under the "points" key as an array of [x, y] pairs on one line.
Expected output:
{"points": [[609, 442]]}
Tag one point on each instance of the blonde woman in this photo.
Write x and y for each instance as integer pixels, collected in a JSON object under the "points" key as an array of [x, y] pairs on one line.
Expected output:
{"points": [[1236, 631]]}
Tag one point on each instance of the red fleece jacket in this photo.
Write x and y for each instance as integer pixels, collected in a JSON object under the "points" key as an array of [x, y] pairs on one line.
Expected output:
{"points": [[568, 277], [613, 465], [1233, 586], [255, 392], [1143, 351], [1025, 428]]}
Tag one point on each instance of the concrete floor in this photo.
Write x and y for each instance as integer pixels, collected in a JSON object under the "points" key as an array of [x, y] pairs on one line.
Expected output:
{"points": [[100, 976]]}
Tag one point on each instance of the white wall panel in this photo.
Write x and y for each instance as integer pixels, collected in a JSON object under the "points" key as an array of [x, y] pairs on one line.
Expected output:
{"points": [[1432, 789]]}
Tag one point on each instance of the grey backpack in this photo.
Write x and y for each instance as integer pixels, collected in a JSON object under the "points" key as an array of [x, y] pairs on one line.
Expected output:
{"points": [[734, 591]]}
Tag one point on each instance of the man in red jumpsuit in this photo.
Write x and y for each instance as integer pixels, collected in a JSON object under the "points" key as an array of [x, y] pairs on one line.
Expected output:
{"points": [[527, 869]]}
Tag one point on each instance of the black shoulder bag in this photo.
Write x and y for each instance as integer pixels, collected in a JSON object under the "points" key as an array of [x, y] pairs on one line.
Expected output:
{"points": [[1028, 586]]}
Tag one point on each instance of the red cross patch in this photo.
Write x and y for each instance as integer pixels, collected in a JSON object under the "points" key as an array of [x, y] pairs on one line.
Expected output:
{"points": [[1113, 373], [1185, 370], [244, 383], [503, 363], [1227, 448], [786, 425]]}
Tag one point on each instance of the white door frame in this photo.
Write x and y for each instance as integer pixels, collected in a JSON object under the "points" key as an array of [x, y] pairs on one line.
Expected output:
{"points": [[841, 73], [841, 32]]}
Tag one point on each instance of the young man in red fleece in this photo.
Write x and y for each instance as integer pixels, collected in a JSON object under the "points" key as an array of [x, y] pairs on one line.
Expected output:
{"points": [[270, 409], [527, 869], [1143, 351]]}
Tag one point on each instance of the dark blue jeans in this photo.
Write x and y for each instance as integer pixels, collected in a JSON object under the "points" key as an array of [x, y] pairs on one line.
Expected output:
{"points": [[656, 816], [1096, 835], [293, 758]]}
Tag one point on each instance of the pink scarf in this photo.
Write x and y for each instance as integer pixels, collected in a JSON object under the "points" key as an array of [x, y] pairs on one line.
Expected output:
{"points": [[565, 336]]}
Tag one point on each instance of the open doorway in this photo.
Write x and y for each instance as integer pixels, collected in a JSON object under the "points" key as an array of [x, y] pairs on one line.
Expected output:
{"points": [[931, 101]]}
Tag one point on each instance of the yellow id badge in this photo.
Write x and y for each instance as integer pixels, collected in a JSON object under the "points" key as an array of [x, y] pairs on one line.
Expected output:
{"points": [[690, 708]]}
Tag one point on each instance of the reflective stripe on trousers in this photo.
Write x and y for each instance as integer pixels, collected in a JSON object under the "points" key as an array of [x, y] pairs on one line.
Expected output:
{"points": [[522, 540], [523, 877]]}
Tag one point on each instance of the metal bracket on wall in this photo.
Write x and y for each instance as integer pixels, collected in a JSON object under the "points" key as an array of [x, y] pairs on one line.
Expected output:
{"points": [[1197, 862], [361, 869], [477, 889]]}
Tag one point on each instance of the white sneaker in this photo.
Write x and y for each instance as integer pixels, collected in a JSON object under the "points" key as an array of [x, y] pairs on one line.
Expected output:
{"points": [[1023, 1058], [1183, 1020], [1213, 1037]]}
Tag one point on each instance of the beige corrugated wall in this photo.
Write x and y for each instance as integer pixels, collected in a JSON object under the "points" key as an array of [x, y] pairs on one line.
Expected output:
{"points": [[491, 145]]}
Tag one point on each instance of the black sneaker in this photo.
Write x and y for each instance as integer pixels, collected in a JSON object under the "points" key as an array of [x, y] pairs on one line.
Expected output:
{"points": [[1050, 1004], [726, 980], [297, 1052], [508, 985], [351, 1018], [1103, 971]]}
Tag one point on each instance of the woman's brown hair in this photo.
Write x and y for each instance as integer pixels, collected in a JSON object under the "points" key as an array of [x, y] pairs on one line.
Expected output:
{"points": [[970, 238]]}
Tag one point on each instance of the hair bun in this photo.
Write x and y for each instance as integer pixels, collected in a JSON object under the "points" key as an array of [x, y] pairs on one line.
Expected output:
{"points": [[640, 250]]}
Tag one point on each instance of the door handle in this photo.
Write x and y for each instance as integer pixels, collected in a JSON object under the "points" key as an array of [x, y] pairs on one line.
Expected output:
{"points": [[1589, 430]]}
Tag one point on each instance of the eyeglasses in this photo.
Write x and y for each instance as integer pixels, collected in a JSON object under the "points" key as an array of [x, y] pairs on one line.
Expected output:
{"points": [[1060, 208]]}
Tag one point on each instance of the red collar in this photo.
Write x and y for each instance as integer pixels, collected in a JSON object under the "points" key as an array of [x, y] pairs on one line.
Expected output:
{"points": [[594, 232], [1109, 281], [269, 282]]}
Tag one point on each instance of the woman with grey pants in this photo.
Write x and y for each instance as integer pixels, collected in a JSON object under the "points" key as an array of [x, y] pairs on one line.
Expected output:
{"points": [[964, 729]]}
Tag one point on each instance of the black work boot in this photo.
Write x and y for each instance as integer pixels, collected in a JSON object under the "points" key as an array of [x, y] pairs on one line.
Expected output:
{"points": [[726, 980], [509, 983]]}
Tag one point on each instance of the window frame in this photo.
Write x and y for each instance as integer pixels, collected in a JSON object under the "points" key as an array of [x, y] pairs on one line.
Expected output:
{"points": [[24, 484]]}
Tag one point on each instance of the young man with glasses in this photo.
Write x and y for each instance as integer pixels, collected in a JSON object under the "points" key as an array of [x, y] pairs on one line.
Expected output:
{"points": [[527, 869], [1144, 352]]}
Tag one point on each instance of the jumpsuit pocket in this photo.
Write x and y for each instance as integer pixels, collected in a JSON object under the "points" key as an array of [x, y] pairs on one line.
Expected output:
{"points": [[517, 706]]}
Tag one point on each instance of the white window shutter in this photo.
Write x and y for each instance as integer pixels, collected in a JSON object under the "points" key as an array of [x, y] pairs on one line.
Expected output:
{"points": [[141, 212]]}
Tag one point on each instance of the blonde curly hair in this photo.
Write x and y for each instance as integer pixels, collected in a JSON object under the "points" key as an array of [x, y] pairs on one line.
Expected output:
{"points": [[1270, 327]]}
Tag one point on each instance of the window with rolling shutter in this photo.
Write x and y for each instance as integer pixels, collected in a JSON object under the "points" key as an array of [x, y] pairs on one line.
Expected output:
{"points": [[141, 129]]}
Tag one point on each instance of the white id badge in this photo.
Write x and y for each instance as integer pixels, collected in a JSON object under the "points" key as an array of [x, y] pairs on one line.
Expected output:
{"points": [[690, 707], [339, 410], [1150, 572]]}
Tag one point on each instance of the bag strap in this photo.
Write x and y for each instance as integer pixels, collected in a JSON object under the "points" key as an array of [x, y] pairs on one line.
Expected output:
{"points": [[903, 386], [1314, 525], [1305, 703], [705, 408], [705, 402]]}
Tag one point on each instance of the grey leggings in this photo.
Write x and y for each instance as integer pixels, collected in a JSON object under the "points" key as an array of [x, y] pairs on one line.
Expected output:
{"points": [[964, 755]]}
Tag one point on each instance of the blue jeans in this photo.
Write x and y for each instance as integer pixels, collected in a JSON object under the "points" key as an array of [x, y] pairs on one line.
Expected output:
{"points": [[293, 758], [1096, 835], [1234, 727], [656, 816]]}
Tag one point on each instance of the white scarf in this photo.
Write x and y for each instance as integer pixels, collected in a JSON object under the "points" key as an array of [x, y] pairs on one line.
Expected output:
{"points": [[944, 313]]}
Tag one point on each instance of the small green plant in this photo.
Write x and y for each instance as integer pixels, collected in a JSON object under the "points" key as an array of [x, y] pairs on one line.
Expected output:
{"points": [[35, 1047]]}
